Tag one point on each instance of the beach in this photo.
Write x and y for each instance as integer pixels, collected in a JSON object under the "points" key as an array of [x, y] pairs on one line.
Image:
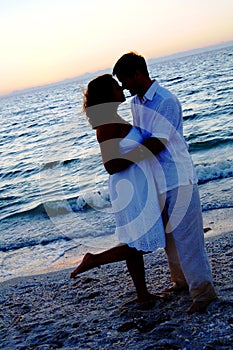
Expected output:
{"points": [[98, 310]]}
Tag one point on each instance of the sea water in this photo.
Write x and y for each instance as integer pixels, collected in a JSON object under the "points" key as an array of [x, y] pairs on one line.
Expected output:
{"points": [[54, 199]]}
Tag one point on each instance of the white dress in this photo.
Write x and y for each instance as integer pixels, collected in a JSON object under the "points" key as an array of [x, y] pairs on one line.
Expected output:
{"points": [[134, 200]]}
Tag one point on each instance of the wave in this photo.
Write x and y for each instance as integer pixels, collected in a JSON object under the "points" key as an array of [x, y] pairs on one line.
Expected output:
{"points": [[8, 198], [89, 200], [214, 171], [24, 170], [21, 170], [32, 243], [213, 206], [208, 144], [198, 116], [50, 165], [68, 161], [174, 79], [99, 200], [55, 163], [189, 116], [96, 200], [10, 174], [224, 89]]}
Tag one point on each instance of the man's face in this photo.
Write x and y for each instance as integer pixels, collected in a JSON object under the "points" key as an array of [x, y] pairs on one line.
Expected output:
{"points": [[129, 83]]}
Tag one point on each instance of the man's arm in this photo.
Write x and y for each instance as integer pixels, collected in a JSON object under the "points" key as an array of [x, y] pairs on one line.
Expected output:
{"points": [[116, 162], [153, 146]]}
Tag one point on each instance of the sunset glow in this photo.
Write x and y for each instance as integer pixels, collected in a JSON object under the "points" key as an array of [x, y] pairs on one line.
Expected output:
{"points": [[50, 40]]}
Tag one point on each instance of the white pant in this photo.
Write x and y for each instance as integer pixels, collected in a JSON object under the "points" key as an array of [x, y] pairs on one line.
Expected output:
{"points": [[187, 257]]}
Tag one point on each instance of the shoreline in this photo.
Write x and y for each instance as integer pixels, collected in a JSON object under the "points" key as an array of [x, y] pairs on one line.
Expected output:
{"points": [[217, 221], [98, 310]]}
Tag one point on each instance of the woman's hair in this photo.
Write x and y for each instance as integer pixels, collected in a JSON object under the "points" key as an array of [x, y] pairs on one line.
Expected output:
{"points": [[97, 99], [129, 63]]}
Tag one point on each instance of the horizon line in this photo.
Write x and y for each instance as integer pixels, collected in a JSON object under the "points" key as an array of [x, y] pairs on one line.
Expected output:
{"points": [[83, 76]]}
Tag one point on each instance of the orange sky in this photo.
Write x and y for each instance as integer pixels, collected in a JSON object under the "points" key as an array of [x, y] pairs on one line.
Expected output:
{"points": [[50, 40]]}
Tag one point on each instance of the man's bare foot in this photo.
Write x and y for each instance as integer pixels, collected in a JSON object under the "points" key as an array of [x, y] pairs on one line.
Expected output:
{"points": [[199, 306], [175, 288], [86, 264]]}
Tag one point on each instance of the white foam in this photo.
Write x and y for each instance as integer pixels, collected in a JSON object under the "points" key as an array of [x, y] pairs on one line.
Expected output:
{"points": [[213, 171]]}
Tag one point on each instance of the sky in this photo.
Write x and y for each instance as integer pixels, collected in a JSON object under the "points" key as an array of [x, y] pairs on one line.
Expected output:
{"points": [[45, 41]]}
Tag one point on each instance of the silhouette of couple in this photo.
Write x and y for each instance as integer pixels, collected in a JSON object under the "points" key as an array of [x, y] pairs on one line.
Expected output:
{"points": [[152, 183]]}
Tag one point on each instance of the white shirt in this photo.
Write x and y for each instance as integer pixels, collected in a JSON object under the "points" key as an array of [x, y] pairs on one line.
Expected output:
{"points": [[159, 112]]}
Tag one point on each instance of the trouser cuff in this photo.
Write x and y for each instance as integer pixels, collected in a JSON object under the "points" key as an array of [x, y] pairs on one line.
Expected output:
{"points": [[204, 292]]}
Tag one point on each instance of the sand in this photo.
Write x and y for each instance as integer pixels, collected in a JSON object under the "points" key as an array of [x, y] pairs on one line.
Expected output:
{"points": [[98, 309]]}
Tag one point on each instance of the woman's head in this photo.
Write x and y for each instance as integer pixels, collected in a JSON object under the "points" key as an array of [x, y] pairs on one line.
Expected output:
{"points": [[101, 99]]}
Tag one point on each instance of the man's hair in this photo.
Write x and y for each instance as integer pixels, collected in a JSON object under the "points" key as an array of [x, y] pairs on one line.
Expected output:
{"points": [[129, 63]]}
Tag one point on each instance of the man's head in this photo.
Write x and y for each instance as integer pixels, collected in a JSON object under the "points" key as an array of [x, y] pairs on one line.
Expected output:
{"points": [[131, 70]]}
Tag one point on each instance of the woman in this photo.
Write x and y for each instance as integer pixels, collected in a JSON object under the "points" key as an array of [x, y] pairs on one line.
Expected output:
{"points": [[132, 190]]}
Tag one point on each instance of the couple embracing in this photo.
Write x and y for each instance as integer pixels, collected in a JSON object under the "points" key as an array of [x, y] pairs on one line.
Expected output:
{"points": [[152, 182]]}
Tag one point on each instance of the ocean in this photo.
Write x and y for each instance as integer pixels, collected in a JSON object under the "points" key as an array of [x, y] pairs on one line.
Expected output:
{"points": [[54, 201]]}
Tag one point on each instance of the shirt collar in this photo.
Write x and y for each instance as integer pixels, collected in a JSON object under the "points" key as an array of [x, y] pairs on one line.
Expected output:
{"points": [[150, 92]]}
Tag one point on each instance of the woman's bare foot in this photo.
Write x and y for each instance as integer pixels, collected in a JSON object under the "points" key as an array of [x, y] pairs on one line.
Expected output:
{"points": [[153, 297], [86, 264], [150, 300]]}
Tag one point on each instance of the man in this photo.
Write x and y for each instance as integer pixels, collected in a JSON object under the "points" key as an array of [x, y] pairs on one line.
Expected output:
{"points": [[158, 111]]}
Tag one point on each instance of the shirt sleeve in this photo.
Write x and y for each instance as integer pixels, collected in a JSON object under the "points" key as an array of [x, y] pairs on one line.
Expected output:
{"points": [[167, 119]]}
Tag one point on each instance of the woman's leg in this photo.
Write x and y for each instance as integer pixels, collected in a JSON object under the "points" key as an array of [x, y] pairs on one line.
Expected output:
{"points": [[118, 253], [135, 263]]}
